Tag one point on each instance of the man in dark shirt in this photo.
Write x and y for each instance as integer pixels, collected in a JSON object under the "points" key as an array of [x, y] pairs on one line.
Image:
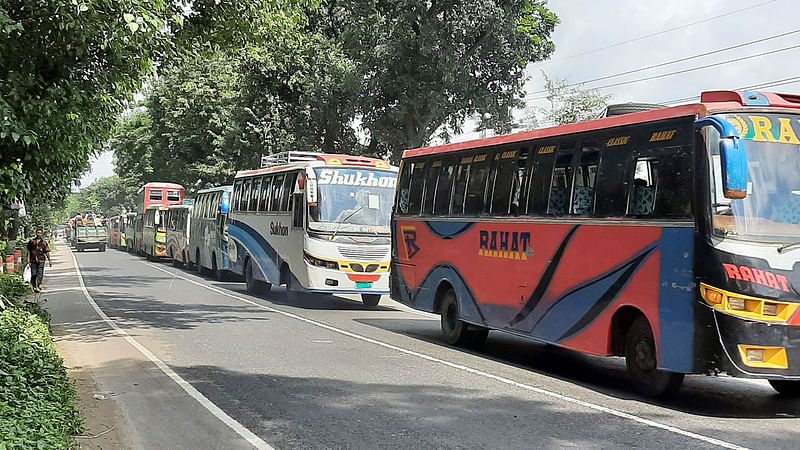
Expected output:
{"points": [[38, 254]]}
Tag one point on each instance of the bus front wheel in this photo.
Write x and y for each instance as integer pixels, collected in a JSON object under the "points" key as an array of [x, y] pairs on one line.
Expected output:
{"points": [[787, 388], [371, 299], [641, 360], [456, 331], [254, 286]]}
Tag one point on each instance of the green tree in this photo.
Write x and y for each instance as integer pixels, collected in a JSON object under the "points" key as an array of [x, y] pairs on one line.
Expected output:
{"points": [[69, 67], [570, 104], [428, 65], [109, 196]]}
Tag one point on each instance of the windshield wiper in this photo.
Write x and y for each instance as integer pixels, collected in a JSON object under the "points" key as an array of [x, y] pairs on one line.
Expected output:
{"points": [[339, 225], [783, 248]]}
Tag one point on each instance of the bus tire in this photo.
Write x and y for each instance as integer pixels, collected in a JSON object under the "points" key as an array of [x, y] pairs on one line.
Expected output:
{"points": [[254, 286], [102, 248], [218, 274], [197, 265], [786, 388], [371, 300], [641, 361], [454, 330]]}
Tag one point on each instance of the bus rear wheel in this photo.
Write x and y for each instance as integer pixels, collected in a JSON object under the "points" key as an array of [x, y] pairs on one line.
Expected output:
{"points": [[218, 274], [371, 299], [254, 286], [642, 362], [787, 388], [455, 330]]}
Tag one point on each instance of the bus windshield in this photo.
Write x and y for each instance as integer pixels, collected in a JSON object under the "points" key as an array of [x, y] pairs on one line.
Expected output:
{"points": [[353, 201], [771, 210]]}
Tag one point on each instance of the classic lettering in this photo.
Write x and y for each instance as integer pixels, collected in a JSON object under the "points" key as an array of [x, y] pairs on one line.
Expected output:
{"points": [[622, 140]]}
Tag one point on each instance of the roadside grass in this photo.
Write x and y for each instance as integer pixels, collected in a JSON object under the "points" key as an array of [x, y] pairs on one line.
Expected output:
{"points": [[37, 400]]}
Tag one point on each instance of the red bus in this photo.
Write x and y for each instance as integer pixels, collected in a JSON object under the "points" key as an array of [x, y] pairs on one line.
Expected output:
{"points": [[150, 236], [666, 236]]}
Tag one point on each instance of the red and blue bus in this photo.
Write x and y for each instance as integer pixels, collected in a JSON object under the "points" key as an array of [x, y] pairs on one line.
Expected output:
{"points": [[668, 237]]}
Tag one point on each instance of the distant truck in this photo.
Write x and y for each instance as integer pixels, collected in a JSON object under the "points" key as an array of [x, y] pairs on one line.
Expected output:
{"points": [[90, 232]]}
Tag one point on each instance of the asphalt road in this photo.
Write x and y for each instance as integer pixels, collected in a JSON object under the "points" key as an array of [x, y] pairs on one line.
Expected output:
{"points": [[323, 371]]}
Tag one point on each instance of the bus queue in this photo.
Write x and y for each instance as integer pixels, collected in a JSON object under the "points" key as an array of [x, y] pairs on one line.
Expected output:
{"points": [[666, 237]]}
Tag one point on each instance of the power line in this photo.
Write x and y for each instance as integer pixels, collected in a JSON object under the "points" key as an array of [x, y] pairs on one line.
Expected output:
{"points": [[768, 84], [691, 69], [699, 55], [661, 32]]}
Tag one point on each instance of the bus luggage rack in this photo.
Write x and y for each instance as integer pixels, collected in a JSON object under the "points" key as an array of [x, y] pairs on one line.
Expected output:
{"points": [[283, 158]]}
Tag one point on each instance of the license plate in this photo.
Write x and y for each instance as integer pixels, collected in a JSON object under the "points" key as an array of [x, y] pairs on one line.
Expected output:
{"points": [[363, 285]]}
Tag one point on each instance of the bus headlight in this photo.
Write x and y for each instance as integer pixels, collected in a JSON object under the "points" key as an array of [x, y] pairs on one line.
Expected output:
{"points": [[750, 307]]}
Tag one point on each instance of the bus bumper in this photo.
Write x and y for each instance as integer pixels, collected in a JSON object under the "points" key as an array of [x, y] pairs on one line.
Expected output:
{"points": [[758, 349], [335, 281]]}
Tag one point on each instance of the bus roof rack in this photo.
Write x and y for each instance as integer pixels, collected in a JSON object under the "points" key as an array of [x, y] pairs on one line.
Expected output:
{"points": [[283, 158]]}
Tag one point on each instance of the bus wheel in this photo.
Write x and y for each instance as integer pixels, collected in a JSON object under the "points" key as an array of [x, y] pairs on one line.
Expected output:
{"points": [[371, 299], [102, 248], [454, 330], [218, 274], [642, 363], [787, 388], [254, 286]]}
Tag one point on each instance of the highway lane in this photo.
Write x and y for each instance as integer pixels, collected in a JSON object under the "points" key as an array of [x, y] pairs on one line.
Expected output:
{"points": [[316, 371]]}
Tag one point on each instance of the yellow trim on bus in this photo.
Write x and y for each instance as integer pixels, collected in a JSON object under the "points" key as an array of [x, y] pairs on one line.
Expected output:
{"points": [[755, 308]]}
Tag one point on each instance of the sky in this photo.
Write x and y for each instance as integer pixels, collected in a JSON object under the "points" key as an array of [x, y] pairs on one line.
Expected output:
{"points": [[586, 48]]}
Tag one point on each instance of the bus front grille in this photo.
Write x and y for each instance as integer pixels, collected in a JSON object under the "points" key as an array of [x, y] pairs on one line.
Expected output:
{"points": [[365, 254]]}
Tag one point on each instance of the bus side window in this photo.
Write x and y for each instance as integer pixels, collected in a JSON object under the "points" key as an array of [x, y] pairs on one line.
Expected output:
{"points": [[430, 187], [277, 185], [558, 198], [246, 194], [266, 188], [543, 158], [642, 198], [444, 188], [460, 186], [674, 192], [412, 189], [505, 182], [255, 194], [476, 186], [585, 177], [156, 194], [288, 188], [237, 194]]}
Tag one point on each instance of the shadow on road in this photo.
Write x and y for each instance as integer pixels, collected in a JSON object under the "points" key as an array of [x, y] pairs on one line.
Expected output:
{"points": [[723, 397], [393, 412]]}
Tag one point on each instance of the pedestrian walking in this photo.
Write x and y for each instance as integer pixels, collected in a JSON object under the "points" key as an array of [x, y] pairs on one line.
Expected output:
{"points": [[38, 254]]}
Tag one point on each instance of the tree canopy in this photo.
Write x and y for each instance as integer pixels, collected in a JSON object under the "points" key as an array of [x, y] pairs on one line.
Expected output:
{"points": [[428, 65], [83, 61]]}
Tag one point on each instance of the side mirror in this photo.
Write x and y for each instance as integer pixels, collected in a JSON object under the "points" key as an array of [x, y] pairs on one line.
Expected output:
{"points": [[733, 155]]}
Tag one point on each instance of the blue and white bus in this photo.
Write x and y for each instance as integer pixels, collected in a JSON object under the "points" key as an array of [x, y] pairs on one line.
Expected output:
{"points": [[208, 241], [314, 222]]}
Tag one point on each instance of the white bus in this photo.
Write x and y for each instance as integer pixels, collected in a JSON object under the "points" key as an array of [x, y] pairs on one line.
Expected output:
{"points": [[177, 222], [208, 243], [314, 222]]}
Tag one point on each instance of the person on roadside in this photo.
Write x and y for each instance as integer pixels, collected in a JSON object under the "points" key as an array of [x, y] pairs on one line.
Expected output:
{"points": [[38, 254]]}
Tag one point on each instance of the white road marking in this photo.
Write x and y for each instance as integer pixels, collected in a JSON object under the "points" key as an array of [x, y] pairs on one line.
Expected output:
{"points": [[603, 409], [248, 435]]}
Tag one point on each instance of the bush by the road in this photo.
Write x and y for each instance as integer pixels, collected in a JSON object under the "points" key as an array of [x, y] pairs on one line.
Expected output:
{"points": [[37, 401]]}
